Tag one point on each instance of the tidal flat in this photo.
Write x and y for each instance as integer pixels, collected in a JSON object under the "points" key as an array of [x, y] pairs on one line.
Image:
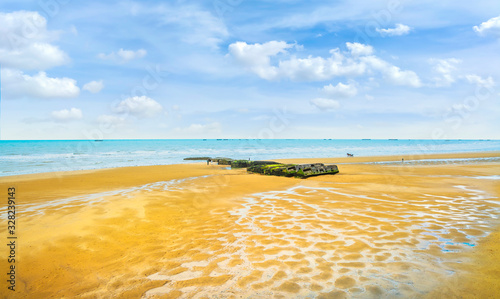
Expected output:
{"points": [[391, 230]]}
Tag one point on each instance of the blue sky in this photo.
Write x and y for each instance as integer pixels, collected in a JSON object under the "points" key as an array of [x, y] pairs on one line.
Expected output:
{"points": [[250, 69]]}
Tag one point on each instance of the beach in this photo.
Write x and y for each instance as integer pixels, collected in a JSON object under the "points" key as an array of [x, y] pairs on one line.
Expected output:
{"points": [[427, 226]]}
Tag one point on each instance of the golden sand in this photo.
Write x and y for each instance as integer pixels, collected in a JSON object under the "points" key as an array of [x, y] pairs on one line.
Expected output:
{"points": [[396, 230]]}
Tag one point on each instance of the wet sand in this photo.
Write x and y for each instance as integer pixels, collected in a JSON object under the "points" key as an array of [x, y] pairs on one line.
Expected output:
{"points": [[394, 230]]}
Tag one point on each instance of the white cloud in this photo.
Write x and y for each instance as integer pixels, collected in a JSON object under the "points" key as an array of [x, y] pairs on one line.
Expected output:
{"points": [[93, 86], [129, 55], [16, 84], [35, 56], [25, 42], [23, 26], [139, 106], [66, 115], [355, 62], [393, 73], [340, 90], [445, 69], [257, 54], [123, 56], [256, 57], [399, 30], [318, 68], [358, 49], [475, 79], [492, 26], [325, 104]]}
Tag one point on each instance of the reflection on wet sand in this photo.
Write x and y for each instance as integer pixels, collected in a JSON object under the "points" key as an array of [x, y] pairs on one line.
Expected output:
{"points": [[309, 240]]}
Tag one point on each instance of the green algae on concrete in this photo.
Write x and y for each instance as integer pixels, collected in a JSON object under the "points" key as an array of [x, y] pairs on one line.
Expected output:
{"points": [[294, 170]]}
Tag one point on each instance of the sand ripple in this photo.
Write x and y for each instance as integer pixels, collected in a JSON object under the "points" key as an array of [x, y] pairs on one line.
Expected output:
{"points": [[192, 231], [324, 242]]}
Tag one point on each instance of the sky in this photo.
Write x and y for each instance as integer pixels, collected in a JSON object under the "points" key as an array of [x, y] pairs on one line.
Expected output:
{"points": [[249, 69]]}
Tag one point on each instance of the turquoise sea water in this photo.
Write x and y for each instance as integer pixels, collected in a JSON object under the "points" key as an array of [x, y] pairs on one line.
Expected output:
{"points": [[23, 157]]}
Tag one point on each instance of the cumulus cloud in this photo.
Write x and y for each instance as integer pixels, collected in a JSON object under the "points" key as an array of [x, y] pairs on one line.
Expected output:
{"points": [[16, 84], [392, 73], [325, 104], [400, 29], [358, 49], [492, 26], [25, 42], [358, 60], [66, 115], [475, 79], [143, 107], [123, 56], [340, 90], [35, 56], [318, 68], [23, 27], [445, 68], [257, 57], [129, 55], [93, 86]]}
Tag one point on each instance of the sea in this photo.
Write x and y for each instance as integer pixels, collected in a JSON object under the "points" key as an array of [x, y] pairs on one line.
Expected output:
{"points": [[38, 156]]}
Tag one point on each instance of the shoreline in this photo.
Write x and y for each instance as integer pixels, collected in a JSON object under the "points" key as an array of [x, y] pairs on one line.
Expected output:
{"points": [[340, 160], [252, 234], [356, 159], [79, 182]]}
